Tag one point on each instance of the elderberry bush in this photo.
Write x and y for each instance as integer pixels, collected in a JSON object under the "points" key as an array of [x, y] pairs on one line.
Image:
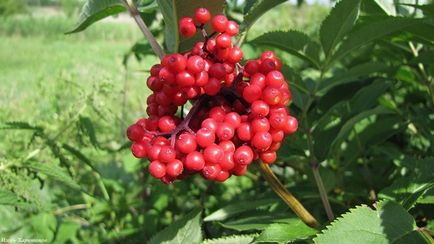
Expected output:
{"points": [[239, 112]]}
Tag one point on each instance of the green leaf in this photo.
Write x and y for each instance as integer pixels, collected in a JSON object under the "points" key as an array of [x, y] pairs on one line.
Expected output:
{"points": [[185, 230], [255, 9], [386, 7], [234, 239], [239, 207], [89, 129], [19, 125], [54, 172], [338, 23], [174, 10], [258, 221], [371, 31], [95, 10], [353, 73], [409, 188], [286, 232], [9, 198], [293, 42], [389, 224], [349, 125]]}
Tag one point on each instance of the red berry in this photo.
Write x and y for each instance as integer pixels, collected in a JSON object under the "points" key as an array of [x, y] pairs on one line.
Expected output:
{"points": [[194, 161], [233, 28], [271, 96], [225, 131], [135, 132], [138, 149], [186, 143], [217, 113], [174, 168], [260, 124], [251, 67], [154, 152], [211, 171], [232, 118], [176, 63], [201, 78], [187, 27], [205, 137], [222, 176], [262, 140], [228, 161], [260, 108], [219, 23], [267, 65], [243, 155], [224, 41], [212, 87], [258, 79], [157, 169], [166, 124], [167, 154], [227, 146], [235, 55], [213, 154], [210, 123], [239, 170], [268, 157], [244, 132], [291, 125], [252, 93], [202, 15], [195, 64], [217, 70], [275, 79], [278, 121], [185, 79]]}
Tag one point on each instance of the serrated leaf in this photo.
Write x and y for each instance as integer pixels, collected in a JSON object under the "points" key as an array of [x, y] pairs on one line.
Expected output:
{"points": [[239, 207], [9, 198], [338, 23], [185, 230], [371, 31], [95, 10], [54, 172], [389, 224], [174, 10], [256, 9], [87, 126], [295, 229], [409, 188], [293, 42], [234, 239]]}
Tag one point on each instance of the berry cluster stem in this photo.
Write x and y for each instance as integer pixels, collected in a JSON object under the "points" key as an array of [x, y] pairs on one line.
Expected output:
{"points": [[145, 30], [286, 196]]}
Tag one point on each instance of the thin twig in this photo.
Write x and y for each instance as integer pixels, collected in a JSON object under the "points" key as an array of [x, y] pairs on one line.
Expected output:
{"points": [[136, 15], [322, 192], [287, 197]]}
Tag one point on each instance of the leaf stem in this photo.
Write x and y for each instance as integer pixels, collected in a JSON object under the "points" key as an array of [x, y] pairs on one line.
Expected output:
{"points": [[145, 30], [286, 196]]}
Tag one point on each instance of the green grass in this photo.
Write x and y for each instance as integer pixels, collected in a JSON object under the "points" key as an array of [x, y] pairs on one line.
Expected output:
{"points": [[35, 54]]}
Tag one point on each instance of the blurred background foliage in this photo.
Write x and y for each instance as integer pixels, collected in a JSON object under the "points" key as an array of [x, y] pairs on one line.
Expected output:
{"points": [[66, 173]]}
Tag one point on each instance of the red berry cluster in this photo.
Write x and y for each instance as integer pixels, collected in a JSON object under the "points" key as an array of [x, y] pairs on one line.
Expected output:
{"points": [[239, 113]]}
